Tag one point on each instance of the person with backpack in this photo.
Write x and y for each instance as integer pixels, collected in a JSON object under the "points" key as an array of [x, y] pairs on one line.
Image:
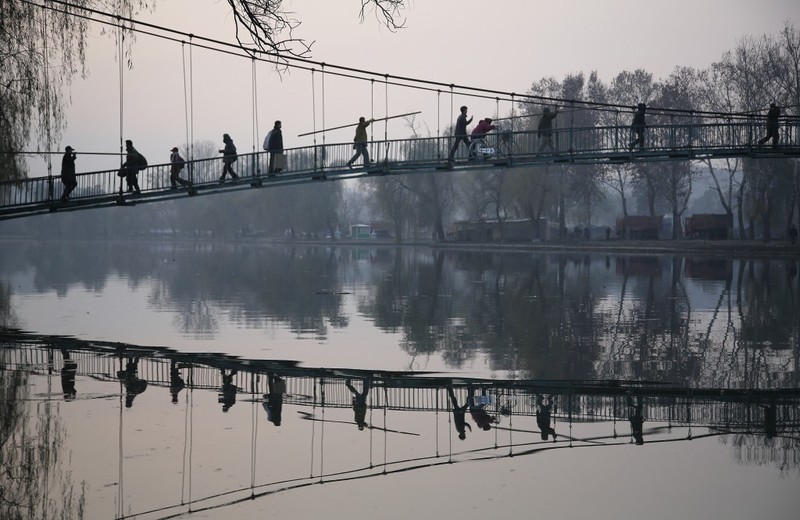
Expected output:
{"points": [[176, 165], [134, 162], [229, 157]]}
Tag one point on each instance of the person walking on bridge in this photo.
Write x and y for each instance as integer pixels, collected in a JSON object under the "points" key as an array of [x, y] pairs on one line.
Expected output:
{"points": [[460, 133], [360, 142], [229, 157], [773, 114], [274, 145], [546, 129], [68, 176], [638, 126], [134, 161], [176, 164]]}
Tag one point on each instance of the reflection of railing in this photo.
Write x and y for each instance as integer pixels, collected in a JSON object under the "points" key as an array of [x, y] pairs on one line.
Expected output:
{"points": [[588, 145], [409, 440], [574, 401]]}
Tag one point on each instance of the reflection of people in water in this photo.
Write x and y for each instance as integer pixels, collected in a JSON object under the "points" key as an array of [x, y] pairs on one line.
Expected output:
{"points": [[543, 412], [273, 401], [477, 411], [360, 402], [68, 372], [134, 385], [176, 383], [636, 419], [770, 420], [228, 394], [459, 415]]}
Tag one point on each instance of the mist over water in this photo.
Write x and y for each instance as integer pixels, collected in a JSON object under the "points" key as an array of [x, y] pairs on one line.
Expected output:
{"points": [[146, 379]]}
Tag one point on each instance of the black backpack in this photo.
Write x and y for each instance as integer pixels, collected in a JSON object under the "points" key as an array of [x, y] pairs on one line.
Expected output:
{"points": [[142, 162]]}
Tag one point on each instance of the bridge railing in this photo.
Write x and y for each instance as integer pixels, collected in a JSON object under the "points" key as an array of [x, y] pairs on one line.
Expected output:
{"points": [[685, 139]]}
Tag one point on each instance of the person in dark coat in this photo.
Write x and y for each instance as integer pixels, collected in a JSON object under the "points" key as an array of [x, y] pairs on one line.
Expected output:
{"points": [[360, 142], [68, 372], [68, 176], [460, 133], [275, 148], [360, 402], [176, 164], [134, 385], [273, 400], [459, 415], [637, 127], [227, 395], [131, 167], [176, 382], [772, 125], [543, 415], [545, 129], [229, 157]]}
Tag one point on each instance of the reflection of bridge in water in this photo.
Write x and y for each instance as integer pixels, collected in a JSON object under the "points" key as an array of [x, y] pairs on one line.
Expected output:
{"points": [[734, 409], [417, 404], [685, 139]]}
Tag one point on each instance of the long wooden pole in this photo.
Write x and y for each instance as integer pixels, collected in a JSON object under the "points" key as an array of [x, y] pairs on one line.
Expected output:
{"points": [[354, 124], [62, 153], [537, 114]]}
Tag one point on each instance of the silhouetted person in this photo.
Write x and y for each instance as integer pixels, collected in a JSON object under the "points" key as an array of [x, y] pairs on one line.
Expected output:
{"points": [[770, 421], [227, 395], [636, 419], [360, 142], [229, 157], [482, 419], [273, 400], [460, 133], [131, 166], [459, 415], [793, 234], [545, 129], [274, 145], [134, 385], [637, 127], [176, 164], [68, 372], [360, 403], [176, 382], [68, 176], [608, 232], [773, 114], [543, 414]]}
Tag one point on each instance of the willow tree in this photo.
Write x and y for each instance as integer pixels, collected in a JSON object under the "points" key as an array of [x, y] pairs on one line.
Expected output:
{"points": [[43, 48]]}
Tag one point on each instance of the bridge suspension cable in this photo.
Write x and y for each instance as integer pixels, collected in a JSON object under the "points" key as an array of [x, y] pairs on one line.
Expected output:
{"points": [[344, 71]]}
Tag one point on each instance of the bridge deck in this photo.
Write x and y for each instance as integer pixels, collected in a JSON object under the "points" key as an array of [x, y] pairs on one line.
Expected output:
{"points": [[594, 145]]}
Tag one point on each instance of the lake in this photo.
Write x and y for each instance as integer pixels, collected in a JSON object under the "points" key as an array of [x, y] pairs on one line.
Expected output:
{"points": [[150, 379]]}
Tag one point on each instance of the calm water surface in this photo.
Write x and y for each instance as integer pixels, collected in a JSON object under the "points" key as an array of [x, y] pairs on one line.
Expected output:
{"points": [[145, 370]]}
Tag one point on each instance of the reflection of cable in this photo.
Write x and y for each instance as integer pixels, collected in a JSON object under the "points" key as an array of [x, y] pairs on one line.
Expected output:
{"points": [[120, 495]]}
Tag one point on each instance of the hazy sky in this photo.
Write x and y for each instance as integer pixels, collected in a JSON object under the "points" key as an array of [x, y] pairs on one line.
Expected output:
{"points": [[504, 45]]}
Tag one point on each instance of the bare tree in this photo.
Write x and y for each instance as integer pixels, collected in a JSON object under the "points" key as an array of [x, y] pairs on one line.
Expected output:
{"points": [[267, 26]]}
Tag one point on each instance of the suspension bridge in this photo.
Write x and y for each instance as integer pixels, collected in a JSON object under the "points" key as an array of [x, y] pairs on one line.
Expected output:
{"points": [[670, 135], [607, 145]]}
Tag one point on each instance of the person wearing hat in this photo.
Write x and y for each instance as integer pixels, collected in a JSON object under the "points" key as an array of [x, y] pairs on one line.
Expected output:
{"points": [[176, 165], [637, 127], [772, 125], [68, 176], [275, 148], [229, 157]]}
